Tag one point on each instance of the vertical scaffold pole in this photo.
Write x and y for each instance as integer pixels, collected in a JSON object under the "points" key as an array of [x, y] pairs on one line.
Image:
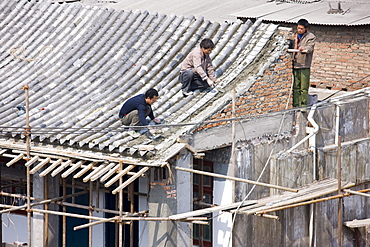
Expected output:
{"points": [[28, 151]]}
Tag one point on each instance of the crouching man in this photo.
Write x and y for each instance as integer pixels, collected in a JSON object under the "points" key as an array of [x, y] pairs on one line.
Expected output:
{"points": [[135, 111]]}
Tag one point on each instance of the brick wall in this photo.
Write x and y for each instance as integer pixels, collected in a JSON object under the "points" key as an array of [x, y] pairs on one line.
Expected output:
{"points": [[342, 57], [269, 93]]}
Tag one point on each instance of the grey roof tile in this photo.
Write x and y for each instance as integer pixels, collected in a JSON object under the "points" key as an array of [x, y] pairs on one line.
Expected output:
{"points": [[96, 58]]}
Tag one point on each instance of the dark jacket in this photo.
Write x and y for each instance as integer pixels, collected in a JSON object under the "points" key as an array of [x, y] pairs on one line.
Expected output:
{"points": [[137, 103], [303, 60]]}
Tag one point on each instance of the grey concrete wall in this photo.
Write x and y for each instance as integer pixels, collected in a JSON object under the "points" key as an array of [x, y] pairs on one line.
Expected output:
{"points": [[169, 199], [297, 169]]}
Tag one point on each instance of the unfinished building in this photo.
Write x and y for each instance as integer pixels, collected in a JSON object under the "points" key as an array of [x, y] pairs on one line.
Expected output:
{"points": [[69, 170]]}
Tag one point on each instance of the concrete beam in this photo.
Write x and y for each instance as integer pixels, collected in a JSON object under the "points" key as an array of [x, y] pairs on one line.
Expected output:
{"points": [[257, 127]]}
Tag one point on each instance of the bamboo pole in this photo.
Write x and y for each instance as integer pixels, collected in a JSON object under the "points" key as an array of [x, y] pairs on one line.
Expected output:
{"points": [[46, 216], [233, 146], [28, 150], [236, 179], [64, 219], [13, 208], [95, 223], [201, 195], [90, 212], [120, 204], [340, 199], [124, 218], [81, 216], [295, 205], [132, 210], [357, 193]]}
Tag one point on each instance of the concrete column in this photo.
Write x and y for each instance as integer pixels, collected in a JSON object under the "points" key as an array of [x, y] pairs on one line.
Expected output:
{"points": [[169, 199], [184, 185], [38, 218]]}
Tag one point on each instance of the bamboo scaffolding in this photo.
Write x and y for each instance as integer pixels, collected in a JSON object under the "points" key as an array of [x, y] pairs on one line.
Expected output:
{"points": [[236, 179], [298, 204], [120, 203], [65, 214], [359, 193], [14, 208], [340, 199], [130, 180], [96, 223]]}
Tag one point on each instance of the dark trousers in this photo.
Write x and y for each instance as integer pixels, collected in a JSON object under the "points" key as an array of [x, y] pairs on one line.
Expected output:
{"points": [[300, 87], [191, 81]]}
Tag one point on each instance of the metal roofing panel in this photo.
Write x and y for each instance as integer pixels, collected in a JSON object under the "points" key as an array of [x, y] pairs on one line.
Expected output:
{"points": [[352, 13]]}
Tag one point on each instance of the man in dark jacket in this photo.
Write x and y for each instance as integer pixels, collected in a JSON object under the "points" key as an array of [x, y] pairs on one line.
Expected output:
{"points": [[304, 42], [135, 110]]}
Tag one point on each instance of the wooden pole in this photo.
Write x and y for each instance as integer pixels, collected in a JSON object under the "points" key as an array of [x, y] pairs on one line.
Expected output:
{"points": [[201, 197], [235, 179], [28, 151], [64, 218], [120, 208], [132, 210], [295, 205], [90, 212], [340, 213], [233, 146], [46, 207], [12, 208]]}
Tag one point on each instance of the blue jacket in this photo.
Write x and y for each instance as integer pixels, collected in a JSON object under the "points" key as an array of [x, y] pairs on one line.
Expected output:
{"points": [[137, 103]]}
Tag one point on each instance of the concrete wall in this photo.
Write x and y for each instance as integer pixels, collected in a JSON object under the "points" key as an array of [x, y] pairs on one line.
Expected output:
{"points": [[167, 199], [265, 155]]}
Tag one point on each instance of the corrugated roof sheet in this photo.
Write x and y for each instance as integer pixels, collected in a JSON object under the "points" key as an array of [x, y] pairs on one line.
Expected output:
{"points": [[82, 63], [348, 13]]}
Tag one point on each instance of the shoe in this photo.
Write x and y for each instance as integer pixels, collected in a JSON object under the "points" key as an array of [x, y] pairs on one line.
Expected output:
{"points": [[133, 133], [186, 94]]}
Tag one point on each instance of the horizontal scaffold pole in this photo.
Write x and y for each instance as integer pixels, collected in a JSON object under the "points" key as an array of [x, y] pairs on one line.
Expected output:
{"points": [[235, 179]]}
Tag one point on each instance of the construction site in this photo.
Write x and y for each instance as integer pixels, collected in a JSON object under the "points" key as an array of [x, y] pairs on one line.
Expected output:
{"points": [[234, 166]]}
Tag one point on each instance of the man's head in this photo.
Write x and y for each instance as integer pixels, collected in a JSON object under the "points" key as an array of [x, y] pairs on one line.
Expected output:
{"points": [[151, 96], [207, 46], [302, 26]]}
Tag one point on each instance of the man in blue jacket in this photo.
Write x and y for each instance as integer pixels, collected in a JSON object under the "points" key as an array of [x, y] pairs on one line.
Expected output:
{"points": [[135, 110]]}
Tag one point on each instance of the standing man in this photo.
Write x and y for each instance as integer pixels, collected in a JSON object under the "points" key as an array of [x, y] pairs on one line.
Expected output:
{"points": [[135, 110], [304, 41], [197, 70]]}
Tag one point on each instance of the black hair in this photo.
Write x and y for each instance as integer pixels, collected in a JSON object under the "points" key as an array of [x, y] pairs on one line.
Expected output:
{"points": [[151, 93], [207, 44], [303, 22]]}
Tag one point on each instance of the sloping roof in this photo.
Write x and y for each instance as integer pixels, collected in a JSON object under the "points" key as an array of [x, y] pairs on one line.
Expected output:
{"points": [[325, 12], [82, 63]]}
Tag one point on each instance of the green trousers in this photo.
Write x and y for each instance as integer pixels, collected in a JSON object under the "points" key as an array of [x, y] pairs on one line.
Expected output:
{"points": [[300, 87]]}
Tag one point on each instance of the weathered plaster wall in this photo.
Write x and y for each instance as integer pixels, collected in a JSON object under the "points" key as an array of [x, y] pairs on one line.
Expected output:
{"points": [[296, 170]]}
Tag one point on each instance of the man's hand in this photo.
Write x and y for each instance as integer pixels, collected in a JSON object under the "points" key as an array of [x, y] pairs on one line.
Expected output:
{"points": [[210, 82], [151, 131], [157, 120]]}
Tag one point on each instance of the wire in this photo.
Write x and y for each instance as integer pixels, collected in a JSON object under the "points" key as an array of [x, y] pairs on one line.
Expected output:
{"points": [[264, 168]]}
